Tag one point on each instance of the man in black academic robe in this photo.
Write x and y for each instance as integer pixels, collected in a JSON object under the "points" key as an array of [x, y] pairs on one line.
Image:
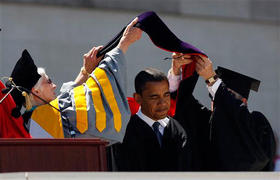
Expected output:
{"points": [[230, 138], [143, 149], [144, 153]]}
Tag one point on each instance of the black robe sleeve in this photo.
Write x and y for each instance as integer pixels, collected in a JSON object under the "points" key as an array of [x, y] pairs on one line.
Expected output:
{"points": [[240, 140], [194, 118]]}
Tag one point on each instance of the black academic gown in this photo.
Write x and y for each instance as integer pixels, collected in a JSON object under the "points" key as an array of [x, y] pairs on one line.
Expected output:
{"points": [[229, 139], [240, 140], [194, 117], [141, 150]]}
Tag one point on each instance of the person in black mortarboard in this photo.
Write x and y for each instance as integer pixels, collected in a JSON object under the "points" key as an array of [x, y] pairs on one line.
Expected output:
{"points": [[229, 137], [35, 88], [29, 80], [93, 105]]}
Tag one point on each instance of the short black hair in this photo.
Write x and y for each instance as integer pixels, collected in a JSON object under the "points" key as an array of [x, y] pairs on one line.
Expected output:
{"points": [[148, 75]]}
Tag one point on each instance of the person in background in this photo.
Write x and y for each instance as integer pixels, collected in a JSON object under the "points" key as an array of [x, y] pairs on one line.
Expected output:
{"points": [[228, 137]]}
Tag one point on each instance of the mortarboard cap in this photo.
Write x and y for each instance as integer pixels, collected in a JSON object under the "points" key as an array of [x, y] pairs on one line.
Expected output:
{"points": [[240, 83], [25, 75]]}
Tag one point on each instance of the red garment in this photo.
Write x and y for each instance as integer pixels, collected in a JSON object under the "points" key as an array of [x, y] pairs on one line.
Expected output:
{"points": [[134, 106], [10, 127], [188, 70]]}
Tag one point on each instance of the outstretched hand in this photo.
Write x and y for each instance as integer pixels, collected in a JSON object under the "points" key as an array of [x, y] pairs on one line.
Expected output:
{"points": [[130, 35], [90, 59], [89, 64], [204, 67], [178, 60]]}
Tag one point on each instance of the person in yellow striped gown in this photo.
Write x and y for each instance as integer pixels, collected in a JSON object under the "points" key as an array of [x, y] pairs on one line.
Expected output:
{"points": [[98, 107]]}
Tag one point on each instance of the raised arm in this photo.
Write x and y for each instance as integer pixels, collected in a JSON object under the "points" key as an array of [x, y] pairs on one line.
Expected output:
{"points": [[130, 35], [90, 62], [174, 73]]}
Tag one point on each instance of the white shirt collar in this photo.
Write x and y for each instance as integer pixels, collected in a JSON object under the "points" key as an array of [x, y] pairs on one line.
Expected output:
{"points": [[163, 122], [213, 89]]}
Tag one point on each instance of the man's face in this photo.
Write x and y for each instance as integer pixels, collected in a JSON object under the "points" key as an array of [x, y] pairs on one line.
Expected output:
{"points": [[154, 100], [46, 90]]}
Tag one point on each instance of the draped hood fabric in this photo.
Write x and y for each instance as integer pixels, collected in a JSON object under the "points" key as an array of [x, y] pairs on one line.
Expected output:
{"points": [[162, 37]]}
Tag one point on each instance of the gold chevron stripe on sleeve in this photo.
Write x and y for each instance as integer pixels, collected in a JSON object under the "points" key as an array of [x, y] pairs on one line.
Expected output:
{"points": [[98, 104], [81, 108], [49, 119], [102, 78]]}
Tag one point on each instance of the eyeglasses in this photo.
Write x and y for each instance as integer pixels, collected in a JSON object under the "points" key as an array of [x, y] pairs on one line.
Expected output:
{"points": [[169, 58], [49, 81], [192, 57]]}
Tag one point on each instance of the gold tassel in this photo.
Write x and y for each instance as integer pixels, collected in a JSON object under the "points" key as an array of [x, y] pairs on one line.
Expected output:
{"points": [[28, 104]]}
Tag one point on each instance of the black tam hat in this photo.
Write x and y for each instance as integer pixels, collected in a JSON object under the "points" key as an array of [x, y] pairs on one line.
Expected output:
{"points": [[25, 75], [160, 35], [238, 82]]}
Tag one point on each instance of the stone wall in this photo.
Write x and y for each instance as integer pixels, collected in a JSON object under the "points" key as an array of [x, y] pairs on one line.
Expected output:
{"points": [[253, 10]]}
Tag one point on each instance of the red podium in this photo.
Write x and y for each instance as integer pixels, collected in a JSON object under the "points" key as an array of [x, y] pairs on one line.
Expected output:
{"points": [[25, 155]]}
